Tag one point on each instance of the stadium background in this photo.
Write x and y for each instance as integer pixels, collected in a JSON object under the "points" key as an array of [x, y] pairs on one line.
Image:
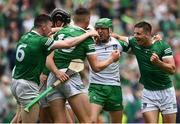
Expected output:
{"points": [[16, 18]]}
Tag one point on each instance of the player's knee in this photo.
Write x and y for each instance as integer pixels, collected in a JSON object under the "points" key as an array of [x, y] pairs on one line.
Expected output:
{"points": [[31, 116]]}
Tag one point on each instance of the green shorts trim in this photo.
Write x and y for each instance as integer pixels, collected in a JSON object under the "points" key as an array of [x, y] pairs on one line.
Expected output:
{"points": [[110, 97]]}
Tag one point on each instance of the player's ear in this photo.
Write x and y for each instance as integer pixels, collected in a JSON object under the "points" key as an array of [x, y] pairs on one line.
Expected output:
{"points": [[44, 28], [59, 24], [110, 31]]}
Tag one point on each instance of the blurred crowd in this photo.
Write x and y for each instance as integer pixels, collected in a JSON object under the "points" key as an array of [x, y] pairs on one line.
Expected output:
{"points": [[17, 16]]}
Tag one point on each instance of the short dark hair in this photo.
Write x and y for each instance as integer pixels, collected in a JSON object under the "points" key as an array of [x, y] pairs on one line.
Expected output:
{"points": [[80, 14], [82, 11], [40, 19], [145, 25]]}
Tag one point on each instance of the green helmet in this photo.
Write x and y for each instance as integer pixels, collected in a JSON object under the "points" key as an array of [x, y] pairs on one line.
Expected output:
{"points": [[103, 23]]}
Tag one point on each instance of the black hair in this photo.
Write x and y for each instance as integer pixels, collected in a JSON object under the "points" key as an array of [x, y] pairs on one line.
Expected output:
{"points": [[40, 19], [60, 15], [145, 25]]}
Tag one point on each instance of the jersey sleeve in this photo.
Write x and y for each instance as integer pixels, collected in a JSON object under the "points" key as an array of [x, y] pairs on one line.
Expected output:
{"points": [[167, 51], [124, 45], [131, 39], [47, 43], [89, 46]]}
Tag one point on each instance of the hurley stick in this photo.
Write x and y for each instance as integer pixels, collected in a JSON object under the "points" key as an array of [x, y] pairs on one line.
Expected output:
{"points": [[75, 66]]}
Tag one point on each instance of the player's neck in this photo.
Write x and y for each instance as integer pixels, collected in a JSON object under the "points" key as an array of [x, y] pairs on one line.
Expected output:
{"points": [[147, 43], [38, 31], [81, 25], [106, 40], [150, 42]]}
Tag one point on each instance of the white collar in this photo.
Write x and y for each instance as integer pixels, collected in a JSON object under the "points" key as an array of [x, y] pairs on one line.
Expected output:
{"points": [[35, 32]]}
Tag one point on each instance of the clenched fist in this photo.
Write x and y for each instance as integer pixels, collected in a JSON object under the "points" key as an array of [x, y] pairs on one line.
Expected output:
{"points": [[115, 55], [154, 58]]}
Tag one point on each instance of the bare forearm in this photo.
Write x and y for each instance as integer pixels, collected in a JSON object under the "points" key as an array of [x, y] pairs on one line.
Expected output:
{"points": [[169, 68], [51, 65], [167, 64], [103, 64], [123, 38], [76, 40], [70, 42], [55, 29], [98, 66]]}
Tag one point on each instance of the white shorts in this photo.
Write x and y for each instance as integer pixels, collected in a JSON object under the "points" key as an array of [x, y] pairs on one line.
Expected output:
{"points": [[24, 91], [66, 89], [162, 100]]}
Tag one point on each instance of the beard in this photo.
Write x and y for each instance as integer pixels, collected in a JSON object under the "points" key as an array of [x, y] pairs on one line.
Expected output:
{"points": [[102, 40]]}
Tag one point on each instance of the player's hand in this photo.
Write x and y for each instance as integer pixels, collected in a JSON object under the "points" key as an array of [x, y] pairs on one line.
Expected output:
{"points": [[43, 78], [93, 33], [115, 55], [154, 58], [62, 76], [157, 37], [53, 31]]}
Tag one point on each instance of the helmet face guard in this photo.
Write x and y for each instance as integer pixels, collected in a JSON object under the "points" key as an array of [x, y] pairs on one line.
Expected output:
{"points": [[60, 15]]}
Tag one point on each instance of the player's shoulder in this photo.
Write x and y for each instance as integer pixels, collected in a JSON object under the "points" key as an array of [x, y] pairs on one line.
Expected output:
{"points": [[161, 43], [75, 28], [131, 40], [34, 36], [71, 30], [24, 37], [114, 40], [118, 42]]}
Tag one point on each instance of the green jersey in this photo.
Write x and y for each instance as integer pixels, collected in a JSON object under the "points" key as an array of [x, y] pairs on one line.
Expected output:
{"points": [[62, 57], [31, 53], [152, 77]]}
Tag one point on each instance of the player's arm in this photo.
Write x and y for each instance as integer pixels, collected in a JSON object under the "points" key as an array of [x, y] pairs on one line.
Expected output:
{"points": [[73, 41], [52, 67], [44, 75], [155, 38], [122, 38], [54, 30], [167, 64], [43, 78], [100, 65]]}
